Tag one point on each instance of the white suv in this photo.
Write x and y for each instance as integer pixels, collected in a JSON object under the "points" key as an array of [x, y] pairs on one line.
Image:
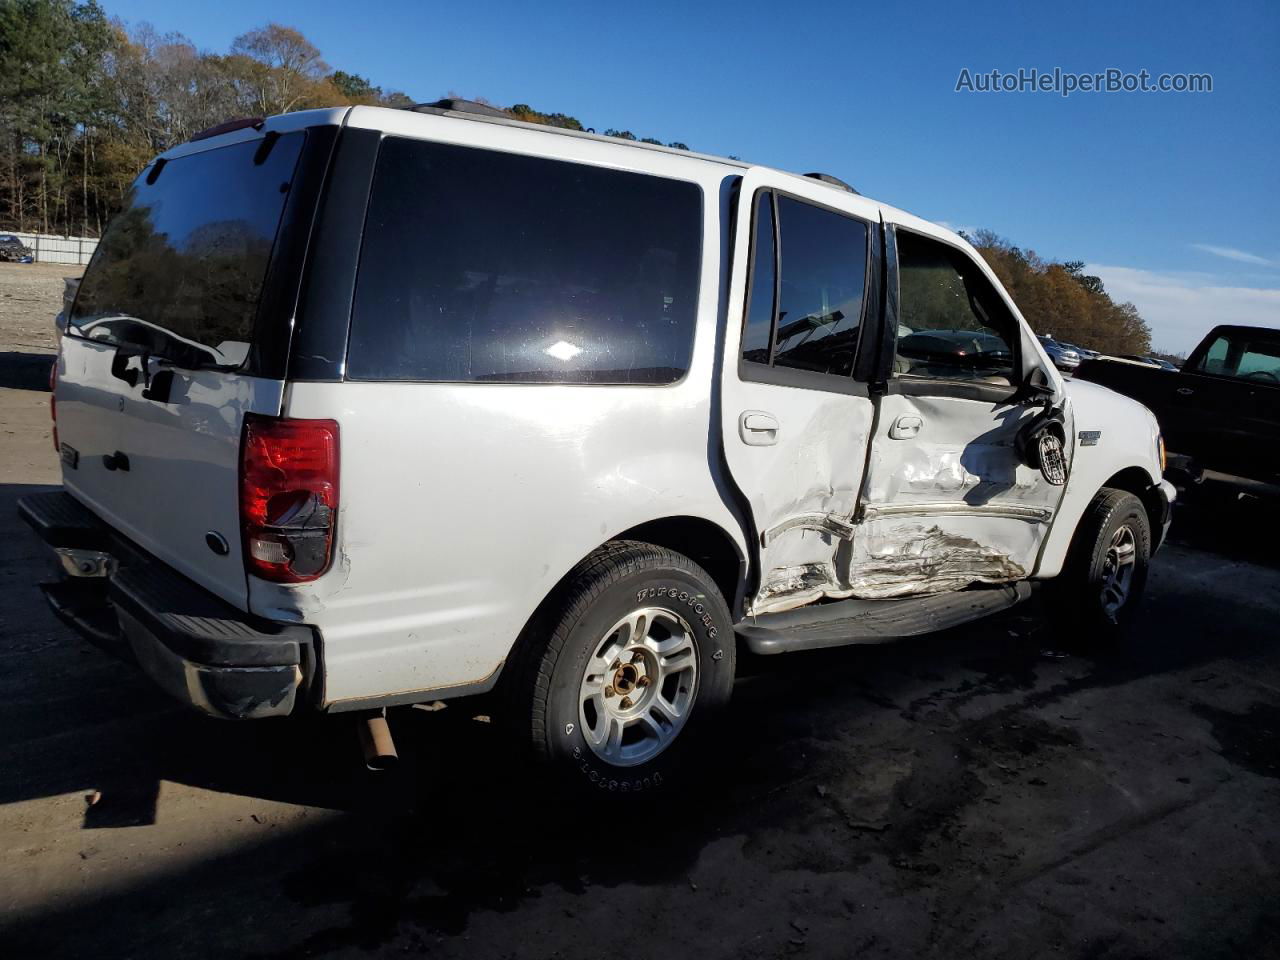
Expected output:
{"points": [[367, 407]]}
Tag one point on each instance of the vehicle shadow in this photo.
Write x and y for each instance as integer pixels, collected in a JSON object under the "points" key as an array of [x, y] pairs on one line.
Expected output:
{"points": [[1213, 517], [468, 826], [25, 371]]}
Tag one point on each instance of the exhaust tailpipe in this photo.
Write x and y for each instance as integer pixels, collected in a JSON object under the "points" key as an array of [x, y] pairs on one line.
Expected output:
{"points": [[375, 741]]}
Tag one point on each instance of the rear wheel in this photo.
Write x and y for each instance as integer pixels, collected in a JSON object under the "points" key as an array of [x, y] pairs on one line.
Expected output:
{"points": [[1105, 576], [626, 675]]}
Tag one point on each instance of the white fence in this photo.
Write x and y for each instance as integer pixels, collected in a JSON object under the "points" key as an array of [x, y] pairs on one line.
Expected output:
{"points": [[47, 248]]}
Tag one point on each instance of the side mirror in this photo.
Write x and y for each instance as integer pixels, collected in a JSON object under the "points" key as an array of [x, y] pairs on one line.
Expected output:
{"points": [[1037, 388], [1041, 445]]}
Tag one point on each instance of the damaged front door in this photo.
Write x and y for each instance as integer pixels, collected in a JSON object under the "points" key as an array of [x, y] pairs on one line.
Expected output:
{"points": [[949, 500], [795, 423]]}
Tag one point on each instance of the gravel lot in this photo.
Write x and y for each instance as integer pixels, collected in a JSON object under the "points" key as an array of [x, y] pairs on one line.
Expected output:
{"points": [[30, 295], [977, 793]]}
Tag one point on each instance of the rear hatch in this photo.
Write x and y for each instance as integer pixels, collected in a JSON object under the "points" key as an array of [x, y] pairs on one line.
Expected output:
{"points": [[164, 355]]}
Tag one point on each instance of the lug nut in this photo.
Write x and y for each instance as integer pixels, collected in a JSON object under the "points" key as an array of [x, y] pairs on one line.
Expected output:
{"points": [[626, 703], [643, 681], [637, 657], [615, 665], [609, 692]]}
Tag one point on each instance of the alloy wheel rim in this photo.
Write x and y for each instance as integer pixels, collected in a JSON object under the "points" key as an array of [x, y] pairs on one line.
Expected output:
{"points": [[1118, 567], [638, 686]]}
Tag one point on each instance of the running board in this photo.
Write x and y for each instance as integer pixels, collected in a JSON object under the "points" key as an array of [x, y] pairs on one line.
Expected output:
{"points": [[874, 621]]}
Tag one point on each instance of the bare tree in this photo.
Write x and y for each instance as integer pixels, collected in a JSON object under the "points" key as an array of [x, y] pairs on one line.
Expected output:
{"points": [[278, 69]]}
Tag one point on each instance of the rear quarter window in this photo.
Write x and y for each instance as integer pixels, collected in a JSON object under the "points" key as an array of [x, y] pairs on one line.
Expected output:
{"points": [[479, 266]]}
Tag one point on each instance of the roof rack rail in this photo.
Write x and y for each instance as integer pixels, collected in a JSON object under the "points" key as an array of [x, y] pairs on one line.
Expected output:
{"points": [[471, 110], [220, 128], [455, 105], [832, 181]]}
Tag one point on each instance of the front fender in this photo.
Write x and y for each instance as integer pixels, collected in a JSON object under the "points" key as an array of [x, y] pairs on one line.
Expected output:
{"points": [[1112, 435]]}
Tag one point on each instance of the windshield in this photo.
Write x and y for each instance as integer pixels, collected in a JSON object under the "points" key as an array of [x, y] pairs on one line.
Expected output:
{"points": [[180, 269]]}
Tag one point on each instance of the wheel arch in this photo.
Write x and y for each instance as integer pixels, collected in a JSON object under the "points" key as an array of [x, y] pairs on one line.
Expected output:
{"points": [[1137, 481], [1083, 488], [704, 542]]}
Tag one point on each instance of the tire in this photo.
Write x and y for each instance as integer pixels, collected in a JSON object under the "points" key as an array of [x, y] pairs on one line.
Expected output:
{"points": [[626, 671], [1102, 583]]}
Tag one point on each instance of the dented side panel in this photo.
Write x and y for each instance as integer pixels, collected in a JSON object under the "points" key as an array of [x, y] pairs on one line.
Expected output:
{"points": [[804, 489], [952, 505], [802, 485], [964, 453], [899, 557]]}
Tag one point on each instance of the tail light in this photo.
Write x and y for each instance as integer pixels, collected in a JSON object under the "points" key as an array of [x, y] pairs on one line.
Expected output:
{"points": [[288, 497], [53, 403]]}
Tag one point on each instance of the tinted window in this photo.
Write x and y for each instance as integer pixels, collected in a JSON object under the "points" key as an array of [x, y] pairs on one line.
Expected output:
{"points": [[824, 268], [759, 325], [952, 323], [490, 266], [823, 258], [180, 269], [1215, 360], [1240, 355]]}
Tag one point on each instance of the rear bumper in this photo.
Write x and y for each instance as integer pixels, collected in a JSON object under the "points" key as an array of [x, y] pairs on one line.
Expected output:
{"points": [[195, 646]]}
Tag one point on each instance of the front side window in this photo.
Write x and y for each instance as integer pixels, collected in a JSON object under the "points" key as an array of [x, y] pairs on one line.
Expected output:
{"points": [[952, 325], [486, 266], [816, 278]]}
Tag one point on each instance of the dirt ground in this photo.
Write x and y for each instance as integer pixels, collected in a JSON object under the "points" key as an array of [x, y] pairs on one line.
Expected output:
{"points": [[30, 295], [973, 794]]}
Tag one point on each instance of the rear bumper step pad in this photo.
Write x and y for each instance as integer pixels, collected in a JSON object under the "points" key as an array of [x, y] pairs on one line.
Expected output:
{"points": [[197, 647]]}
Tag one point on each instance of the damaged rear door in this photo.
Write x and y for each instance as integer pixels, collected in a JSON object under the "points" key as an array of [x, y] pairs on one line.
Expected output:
{"points": [[949, 499], [795, 424]]}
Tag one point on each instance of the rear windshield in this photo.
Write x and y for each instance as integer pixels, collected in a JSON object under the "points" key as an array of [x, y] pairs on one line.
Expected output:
{"points": [[180, 269], [486, 266]]}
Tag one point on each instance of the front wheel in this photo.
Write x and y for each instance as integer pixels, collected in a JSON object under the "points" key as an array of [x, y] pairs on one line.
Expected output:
{"points": [[626, 676], [1105, 575]]}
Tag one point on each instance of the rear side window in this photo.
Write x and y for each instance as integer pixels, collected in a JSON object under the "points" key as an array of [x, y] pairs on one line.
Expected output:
{"points": [[824, 270], [486, 266], [757, 334], [179, 271], [815, 277]]}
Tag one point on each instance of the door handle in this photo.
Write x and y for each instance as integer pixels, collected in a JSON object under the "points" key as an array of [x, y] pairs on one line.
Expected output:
{"points": [[905, 427], [757, 428], [1185, 391]]}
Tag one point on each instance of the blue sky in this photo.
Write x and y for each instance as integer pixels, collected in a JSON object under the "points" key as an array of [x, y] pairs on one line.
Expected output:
{"points": [[1173, 198]]}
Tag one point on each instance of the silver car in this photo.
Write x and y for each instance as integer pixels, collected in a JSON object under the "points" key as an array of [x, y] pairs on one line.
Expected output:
{"points": [[1063, 357]]}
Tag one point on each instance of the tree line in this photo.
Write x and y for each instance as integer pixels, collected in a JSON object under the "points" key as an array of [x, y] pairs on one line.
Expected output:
{"points": [[85, 103], [1061, 300]]}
